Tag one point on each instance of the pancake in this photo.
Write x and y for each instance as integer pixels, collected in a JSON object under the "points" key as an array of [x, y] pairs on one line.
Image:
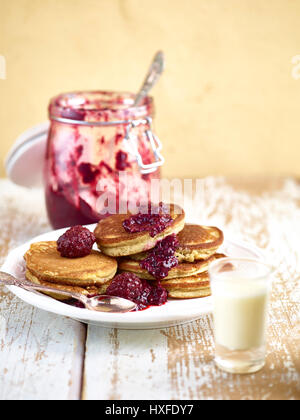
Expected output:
{"points": [[45, 263], [113, 240], [198, 242], [89, 290], [183, 269], [188, 287]]}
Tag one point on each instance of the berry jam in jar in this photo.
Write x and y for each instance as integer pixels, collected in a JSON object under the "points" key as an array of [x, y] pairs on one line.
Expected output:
{"points": [[101, 154]]}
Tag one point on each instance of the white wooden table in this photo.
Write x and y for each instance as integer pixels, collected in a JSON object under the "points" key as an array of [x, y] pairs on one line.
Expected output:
{"points": [[44, 356]]}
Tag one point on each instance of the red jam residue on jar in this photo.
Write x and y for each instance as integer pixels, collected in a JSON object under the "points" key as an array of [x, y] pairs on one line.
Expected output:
{"points": [[85, 146], [144, 294], [162, 258], [148, 220]]}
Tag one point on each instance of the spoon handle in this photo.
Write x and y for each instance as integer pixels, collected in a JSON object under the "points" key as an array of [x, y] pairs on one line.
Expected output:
{"points": [[155, 70], [10, 280]]}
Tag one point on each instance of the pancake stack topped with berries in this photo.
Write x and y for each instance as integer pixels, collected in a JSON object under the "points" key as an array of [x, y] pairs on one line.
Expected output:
{"points": [[146, 256], [177, 257], [64, 265]]}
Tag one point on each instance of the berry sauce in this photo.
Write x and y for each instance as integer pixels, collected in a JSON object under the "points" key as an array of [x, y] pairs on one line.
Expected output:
{"points": [[152, 221], [76, 242], [122, 161], [162, 258], [141, 292]]}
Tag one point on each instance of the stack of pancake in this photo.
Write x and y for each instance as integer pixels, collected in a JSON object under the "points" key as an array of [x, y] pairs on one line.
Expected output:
{"points": [[88, 275], [198, 247], [123, 251]]}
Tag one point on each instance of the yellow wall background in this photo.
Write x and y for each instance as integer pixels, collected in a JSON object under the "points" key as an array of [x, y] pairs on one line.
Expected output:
{"points": [[227, 103]]}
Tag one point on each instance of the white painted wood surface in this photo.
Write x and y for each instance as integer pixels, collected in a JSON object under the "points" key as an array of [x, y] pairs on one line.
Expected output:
{"points": [[43, 356], [40, 354]]}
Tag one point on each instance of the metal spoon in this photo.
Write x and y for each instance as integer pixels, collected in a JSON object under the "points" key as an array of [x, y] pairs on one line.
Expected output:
{"points": [[101, 303], [155, 70]]}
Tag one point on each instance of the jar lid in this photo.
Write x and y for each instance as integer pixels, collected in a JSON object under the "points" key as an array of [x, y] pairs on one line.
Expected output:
{"points": [[25, 161]]}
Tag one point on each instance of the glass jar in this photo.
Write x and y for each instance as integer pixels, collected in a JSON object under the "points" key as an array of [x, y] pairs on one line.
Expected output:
{"points": [[101, 154]]}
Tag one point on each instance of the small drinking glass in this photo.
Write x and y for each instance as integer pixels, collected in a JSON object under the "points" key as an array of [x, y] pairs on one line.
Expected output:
{"points": [[240, 290]]}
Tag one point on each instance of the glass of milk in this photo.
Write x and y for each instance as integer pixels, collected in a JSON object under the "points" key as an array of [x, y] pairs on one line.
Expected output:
{"points": [[240, 290]]}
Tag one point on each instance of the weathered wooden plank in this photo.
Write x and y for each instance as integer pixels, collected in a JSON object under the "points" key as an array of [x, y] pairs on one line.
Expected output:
{"points": [[195, 376], [125, 365], [41, 354]]}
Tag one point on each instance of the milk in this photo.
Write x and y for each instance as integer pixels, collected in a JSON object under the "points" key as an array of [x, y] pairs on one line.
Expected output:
{"points": [[240, 313]]}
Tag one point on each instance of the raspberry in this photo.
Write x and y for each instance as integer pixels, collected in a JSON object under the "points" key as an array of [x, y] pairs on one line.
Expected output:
{"points": [[158, 296], [129, 286], [126, 285], [76, 242], [142, 301]]}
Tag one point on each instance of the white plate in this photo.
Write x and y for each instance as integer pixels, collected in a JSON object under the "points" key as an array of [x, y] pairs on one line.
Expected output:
{"points": [[174, 312]]}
